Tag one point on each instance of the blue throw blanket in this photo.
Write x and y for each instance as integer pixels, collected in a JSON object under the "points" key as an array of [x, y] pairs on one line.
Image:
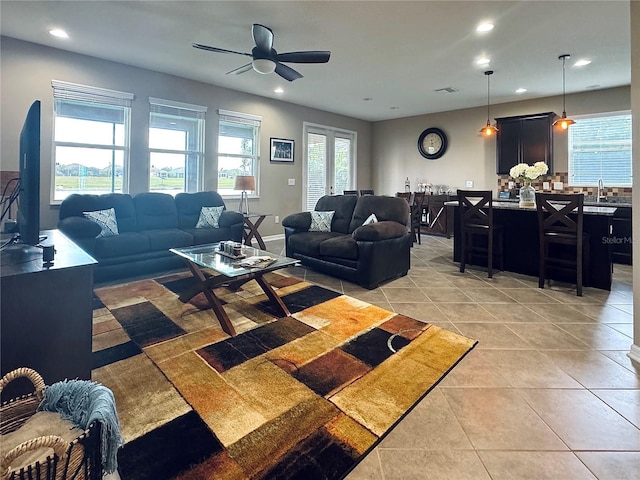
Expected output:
{"points": [[82, 402]]}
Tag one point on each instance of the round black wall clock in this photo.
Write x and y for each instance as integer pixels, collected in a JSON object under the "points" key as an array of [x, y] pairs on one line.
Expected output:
{"points": [[432, 143]]}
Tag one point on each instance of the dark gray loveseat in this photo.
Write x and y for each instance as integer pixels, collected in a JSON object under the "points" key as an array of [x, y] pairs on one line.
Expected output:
{"points": [[364, 254], [148, 224]]}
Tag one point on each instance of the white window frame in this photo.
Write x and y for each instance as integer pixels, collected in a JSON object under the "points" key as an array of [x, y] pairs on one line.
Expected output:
{"points": [[243, 119], [86, 94], [608, 182], [180, 110]]}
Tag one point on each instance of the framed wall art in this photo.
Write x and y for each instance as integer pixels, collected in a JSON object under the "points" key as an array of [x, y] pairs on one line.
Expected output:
{"points": [[282, 150]]}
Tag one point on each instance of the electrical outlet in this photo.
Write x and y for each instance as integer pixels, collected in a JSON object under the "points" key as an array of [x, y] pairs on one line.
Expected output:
{"points": [[546, 186], [558, 186], [276, 219], [469, 183], [292, 182]]}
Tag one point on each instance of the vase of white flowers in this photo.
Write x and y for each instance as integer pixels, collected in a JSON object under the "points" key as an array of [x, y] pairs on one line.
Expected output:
{"points": [[525, 173]]}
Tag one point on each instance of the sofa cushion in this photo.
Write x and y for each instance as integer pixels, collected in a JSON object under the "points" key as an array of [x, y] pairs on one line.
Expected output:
{"points": [[209, 217], [308, 243], [155, 211], [343, 206], [106, 219], [343, 246], [128, 243], [321, 221], [297, 221], [379, 231], [190, 204], [385, 208], [166, 238], [209, 235], [122, 203]]}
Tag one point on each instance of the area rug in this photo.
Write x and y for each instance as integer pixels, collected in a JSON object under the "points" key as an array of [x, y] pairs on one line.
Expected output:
{"points": [[299, 397]]}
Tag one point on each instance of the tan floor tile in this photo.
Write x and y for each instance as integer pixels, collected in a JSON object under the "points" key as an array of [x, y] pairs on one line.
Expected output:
{"points": [[499, 419], [534, 466], [507, 313], [447, 295], [625, 402], [547, 336], [530, 295], [582, 420], [475, 370], [402, 282], [605, 313], [404, 295], [466, 312], [489, 295], [368, 469], [612, 465], [432, 414], [622, 358], [492, 335], [434, 465], [559, 313], [593, 369], [426, 312], [528, 369], [598, 336]]}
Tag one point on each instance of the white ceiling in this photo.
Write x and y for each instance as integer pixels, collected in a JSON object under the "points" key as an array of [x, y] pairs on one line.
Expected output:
{"points": [[396, 53]]}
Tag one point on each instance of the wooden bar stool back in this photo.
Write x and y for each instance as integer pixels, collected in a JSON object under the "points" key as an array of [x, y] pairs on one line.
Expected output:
{"points": [[560, 222], [416, 215], [476, 220]]}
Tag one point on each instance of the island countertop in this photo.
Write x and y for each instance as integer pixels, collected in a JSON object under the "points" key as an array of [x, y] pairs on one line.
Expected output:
{"points": [[608, 211]]}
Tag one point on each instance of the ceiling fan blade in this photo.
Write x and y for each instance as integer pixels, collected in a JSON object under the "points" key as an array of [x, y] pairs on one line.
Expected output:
{"points": [[287, 72], [263, 37], [311, 56], [216, 49], [242, 69]]}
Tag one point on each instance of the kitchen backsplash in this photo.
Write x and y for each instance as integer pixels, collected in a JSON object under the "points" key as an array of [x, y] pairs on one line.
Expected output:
{"points": [[503, 185]]}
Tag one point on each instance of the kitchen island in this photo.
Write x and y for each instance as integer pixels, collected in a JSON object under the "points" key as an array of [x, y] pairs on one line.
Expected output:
{"points": [[521, 248]]}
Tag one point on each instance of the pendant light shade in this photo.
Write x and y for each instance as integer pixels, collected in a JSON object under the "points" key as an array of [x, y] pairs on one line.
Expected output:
{"points": [[563, 122], [488, 130]]}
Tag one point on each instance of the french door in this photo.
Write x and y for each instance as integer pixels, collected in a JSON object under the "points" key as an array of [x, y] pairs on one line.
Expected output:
{"points": [[329, 163]]}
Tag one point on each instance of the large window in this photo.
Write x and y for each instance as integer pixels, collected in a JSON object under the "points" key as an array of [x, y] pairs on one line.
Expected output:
{"points": [[600, 148], [90, 140], [238, 149], [176, 146]]}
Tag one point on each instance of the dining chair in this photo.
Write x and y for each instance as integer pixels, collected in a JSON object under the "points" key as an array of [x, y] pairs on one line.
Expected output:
{"points": [[476, 220], [350, 192], [563, 244], [416, 215], [366, 192]]}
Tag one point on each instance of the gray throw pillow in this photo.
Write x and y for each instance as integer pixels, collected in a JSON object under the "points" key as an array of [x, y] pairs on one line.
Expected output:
{"points": [[106, 219], [209, 217], [321, 221]]}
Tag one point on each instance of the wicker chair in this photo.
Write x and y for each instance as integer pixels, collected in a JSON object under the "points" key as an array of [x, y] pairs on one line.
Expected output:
{"points": [[79, 459]]}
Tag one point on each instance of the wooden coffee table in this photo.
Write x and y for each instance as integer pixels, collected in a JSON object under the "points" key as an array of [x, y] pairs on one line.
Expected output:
{"points": [[229, 271]]}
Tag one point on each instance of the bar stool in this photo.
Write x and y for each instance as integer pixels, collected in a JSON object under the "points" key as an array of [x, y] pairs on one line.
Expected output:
{"points": [[561, 223], [350, 192], [416, 215], [476, 219], [364, 192]]}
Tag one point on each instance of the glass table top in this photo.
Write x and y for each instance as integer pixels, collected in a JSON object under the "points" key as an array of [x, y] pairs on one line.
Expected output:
{"points": [[208, 256]]}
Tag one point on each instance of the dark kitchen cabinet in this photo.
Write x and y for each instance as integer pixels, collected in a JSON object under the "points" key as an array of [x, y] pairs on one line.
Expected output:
{"points": [[524, 139]]}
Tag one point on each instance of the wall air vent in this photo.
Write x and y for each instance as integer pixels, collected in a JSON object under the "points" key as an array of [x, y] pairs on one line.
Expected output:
{"points": [[447, 90]]}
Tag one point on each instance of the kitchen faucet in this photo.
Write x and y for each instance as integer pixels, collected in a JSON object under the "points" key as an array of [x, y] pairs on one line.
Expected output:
{"points": [[600, 189]]}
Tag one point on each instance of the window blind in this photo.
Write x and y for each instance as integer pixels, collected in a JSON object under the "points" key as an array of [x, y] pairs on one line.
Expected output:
{"points": [[89, 94]]}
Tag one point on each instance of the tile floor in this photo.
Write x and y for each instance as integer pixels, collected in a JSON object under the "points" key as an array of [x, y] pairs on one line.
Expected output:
{"points": [[548, 392]]}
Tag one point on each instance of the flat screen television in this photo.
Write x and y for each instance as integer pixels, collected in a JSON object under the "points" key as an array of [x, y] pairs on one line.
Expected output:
{"points": [[29, 194]]}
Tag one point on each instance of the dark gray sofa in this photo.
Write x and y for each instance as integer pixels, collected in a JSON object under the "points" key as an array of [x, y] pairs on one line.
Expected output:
{"points": [[367, 255], [149, 224]]}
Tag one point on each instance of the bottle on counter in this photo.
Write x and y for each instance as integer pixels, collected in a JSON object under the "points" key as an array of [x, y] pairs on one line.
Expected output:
{"points": [[407, 185]]}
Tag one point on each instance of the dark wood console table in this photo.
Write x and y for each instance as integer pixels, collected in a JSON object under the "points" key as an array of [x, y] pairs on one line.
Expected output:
{"points": [[46, 312], [521, 240]]}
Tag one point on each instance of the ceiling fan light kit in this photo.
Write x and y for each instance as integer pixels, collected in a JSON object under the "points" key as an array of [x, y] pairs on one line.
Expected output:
{"points": [[265, 59], [563, 122], [488, 129]]}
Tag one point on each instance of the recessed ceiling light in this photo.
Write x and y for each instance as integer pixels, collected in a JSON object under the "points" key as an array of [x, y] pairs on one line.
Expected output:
{"points": [[367, 99], [484, 27], [279, 91], [483, 61], [582, 62], [521, 90], [58, 32]]}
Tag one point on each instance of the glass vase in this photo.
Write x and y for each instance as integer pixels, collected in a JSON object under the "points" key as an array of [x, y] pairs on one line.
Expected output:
{"points": [[527, 195]]}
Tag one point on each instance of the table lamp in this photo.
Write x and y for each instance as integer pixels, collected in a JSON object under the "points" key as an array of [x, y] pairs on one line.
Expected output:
{"points": [[244, 183]]}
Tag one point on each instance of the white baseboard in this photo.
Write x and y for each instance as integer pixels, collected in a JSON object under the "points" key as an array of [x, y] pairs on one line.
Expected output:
{"points": [[634, 353]]}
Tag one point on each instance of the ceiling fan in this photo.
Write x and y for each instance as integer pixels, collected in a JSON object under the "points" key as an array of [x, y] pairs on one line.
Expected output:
{"points": [[265, 59]]}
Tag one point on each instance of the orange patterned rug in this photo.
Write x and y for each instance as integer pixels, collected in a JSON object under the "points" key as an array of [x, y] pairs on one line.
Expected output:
{"points": [[299, 397]]}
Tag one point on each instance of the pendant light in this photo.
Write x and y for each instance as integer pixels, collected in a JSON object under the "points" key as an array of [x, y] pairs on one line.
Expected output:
{"points": [[488, 129], [563, 122]]}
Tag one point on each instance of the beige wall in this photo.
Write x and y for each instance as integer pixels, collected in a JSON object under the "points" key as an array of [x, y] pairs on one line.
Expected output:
{"points": [[26, 73], [470, 156], [635, 105]]}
